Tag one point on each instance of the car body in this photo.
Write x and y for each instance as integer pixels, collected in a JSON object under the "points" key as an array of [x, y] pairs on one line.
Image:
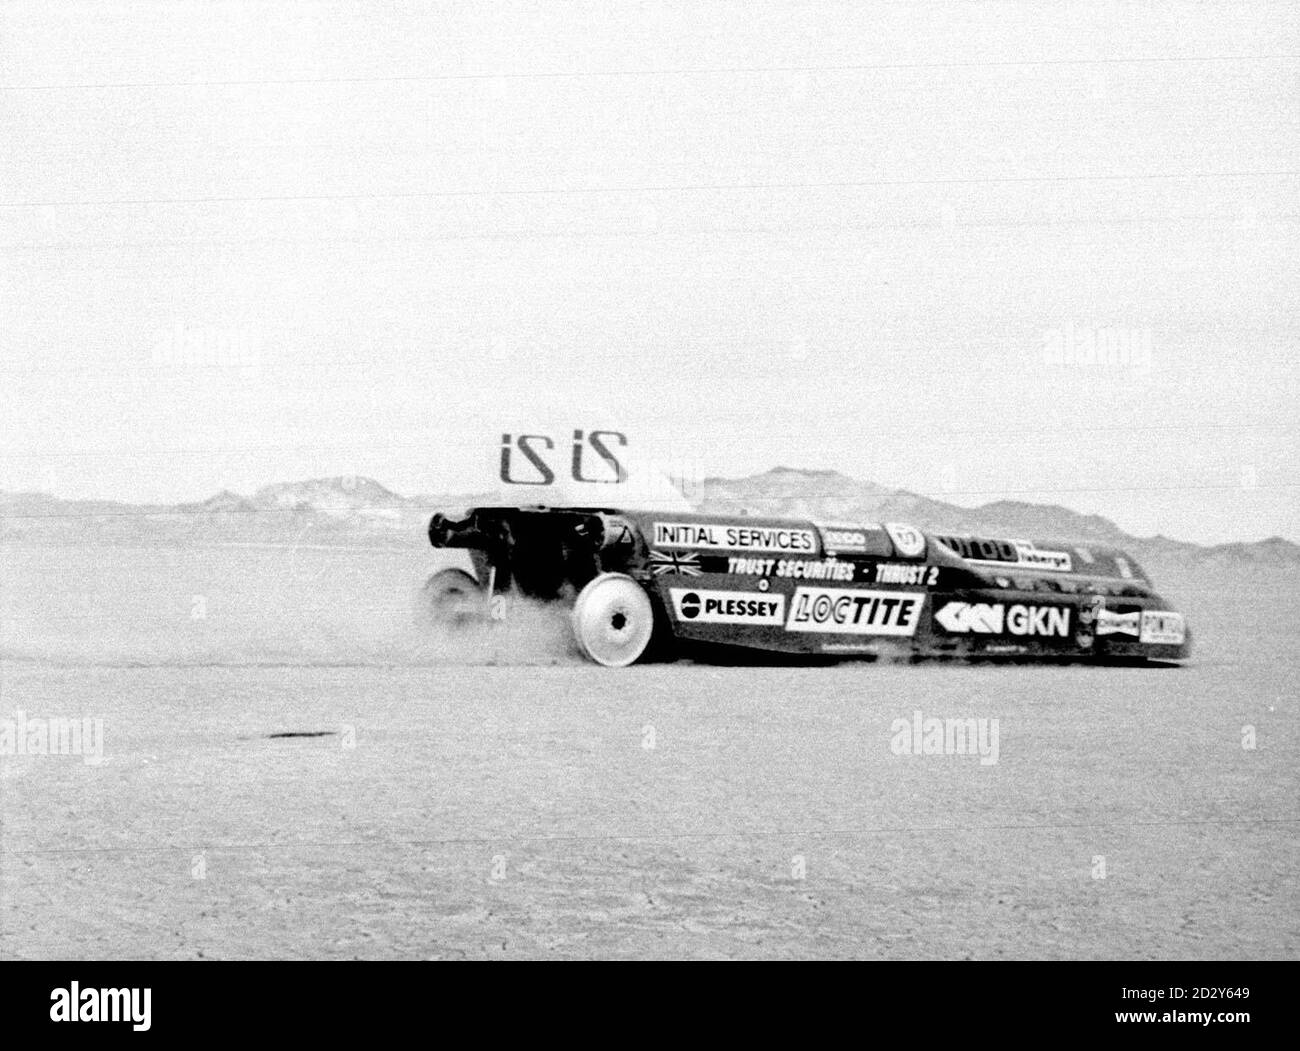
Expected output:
{"points": [[795, 586]]}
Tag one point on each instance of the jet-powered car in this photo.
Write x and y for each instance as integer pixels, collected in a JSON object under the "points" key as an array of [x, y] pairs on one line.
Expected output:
{"points": [[651, 582]]}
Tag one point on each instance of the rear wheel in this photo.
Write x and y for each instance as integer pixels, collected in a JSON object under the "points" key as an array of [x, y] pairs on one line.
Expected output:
{"points": [[451, 598], [613, 620]]}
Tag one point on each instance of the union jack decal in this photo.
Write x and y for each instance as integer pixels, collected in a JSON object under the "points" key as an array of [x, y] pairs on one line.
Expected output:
{"points": [[686, 563]]}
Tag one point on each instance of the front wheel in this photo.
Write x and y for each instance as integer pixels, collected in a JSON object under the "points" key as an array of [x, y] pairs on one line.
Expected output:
{"points": [[613, 620]]}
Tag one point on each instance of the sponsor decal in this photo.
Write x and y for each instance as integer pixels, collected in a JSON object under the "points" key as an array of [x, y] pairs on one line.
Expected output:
{"points": [[714, 536], [847, 611], [1015, 552], [906, 573], [1112, 623], [843, 538], [995, 618], [754, 567], [1163, 628], [681, 563], [793, 568], [727, 607], [986, 618], [909, 541], [1032, 556]]}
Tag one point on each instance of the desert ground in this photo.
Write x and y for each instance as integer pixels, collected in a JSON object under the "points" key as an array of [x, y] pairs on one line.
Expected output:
{"points": [[494, 796]]}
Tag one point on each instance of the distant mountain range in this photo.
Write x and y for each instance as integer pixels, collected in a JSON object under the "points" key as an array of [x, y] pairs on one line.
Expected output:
{"points": [[355, 509], [831, 496], [336, 497]]}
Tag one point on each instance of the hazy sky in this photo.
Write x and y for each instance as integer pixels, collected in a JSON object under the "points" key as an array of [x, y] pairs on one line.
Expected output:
{"points": [[254, 242]]}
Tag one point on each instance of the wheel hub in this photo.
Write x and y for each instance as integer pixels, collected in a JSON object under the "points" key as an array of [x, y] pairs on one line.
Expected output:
{"points": [[613, 620]]}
